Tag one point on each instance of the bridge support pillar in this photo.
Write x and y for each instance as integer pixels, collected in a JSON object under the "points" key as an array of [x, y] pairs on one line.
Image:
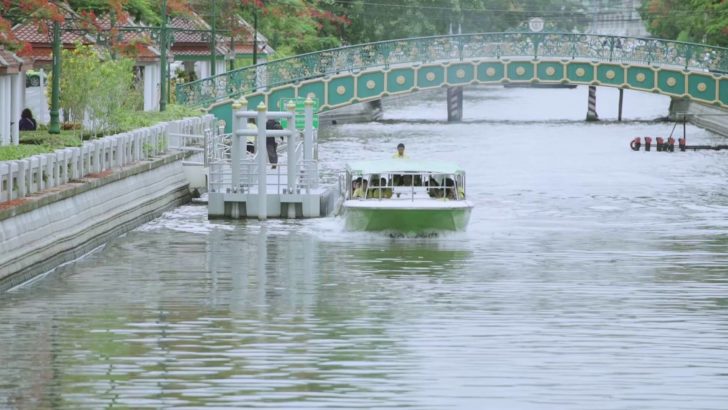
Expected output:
{"points": [[376, 108], [454, 104], [591, 113], [621, 100]]}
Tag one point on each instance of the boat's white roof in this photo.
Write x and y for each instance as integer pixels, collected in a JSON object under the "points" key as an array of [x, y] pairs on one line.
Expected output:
{"points": [[395, 165]]}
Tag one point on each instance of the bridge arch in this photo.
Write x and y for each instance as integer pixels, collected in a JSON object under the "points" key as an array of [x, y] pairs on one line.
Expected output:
{"points": [[348, 75], [350, 88]]}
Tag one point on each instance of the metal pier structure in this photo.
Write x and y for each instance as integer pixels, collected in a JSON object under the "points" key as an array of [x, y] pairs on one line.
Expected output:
{"points": [[245, 185]]}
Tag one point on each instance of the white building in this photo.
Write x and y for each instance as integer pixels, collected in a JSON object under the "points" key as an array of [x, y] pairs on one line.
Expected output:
{"points": [[615, 17], [12, 96]]}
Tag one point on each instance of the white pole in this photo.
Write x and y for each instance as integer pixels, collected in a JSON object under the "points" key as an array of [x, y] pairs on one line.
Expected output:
{"points": [[262, 155], [292, 142], [308, 130], [236, 152], [236, 157]]}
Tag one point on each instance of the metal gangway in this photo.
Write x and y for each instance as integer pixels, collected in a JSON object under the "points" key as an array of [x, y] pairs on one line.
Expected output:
{"points": [[244, 184]]}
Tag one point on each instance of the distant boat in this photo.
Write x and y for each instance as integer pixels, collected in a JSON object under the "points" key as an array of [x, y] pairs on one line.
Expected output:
{"points": [[405, 196]]}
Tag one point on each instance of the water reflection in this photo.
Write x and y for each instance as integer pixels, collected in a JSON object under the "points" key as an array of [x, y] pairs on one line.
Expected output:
{"points": [[589, 274]]}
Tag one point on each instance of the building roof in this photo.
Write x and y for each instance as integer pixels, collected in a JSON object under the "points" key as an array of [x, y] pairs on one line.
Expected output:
{"points": [[40, 38], [194, 42], [33, 33], [10, 63], [145, 49]]}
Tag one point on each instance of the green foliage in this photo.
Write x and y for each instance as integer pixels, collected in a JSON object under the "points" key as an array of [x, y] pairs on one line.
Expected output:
{"points": [[114, 93], [96, 86], [132, 120], [412, 18], [295, 27], [140, 10], [14, 152], [699, 21], [292, 27], [66, 138]]}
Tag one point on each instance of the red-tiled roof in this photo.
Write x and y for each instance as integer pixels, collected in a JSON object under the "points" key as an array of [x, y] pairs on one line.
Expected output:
{"points": [[10, 63], [34, 33], [41, 40], [145, 51]]}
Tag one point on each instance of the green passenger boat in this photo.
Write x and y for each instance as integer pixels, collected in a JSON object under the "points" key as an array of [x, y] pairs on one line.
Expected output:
{"points": [[405, 196]]}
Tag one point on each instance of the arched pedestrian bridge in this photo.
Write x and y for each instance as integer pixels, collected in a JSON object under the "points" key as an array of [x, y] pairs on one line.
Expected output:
{"points": [[353, 74]]}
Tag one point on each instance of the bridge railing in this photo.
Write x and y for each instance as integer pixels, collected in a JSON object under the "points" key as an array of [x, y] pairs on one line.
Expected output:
{"points": [[634, 50]]}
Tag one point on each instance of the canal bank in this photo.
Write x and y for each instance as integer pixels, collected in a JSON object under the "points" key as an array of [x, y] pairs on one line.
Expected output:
{"points": [[711, 118], [58, 211]]}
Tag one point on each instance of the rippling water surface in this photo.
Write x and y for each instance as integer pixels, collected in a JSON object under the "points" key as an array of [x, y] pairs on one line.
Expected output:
{"points": [[591, 276]]}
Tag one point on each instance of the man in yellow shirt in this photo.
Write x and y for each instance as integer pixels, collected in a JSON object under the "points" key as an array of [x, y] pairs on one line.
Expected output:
{"points": [[400, 152], [361, 190]]}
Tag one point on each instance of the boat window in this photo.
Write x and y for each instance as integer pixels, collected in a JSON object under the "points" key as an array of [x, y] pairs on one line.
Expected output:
{"points": [[407, 186]]}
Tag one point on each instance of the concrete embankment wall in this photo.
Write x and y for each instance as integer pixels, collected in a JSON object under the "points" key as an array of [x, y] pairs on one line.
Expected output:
{"points": [[711, 118], [65, 225], [41, 231], [374, 110]]}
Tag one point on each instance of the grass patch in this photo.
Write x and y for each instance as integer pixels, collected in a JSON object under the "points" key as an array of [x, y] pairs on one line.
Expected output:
{"points": [[67, 138], [13, 152], [134, 120]]}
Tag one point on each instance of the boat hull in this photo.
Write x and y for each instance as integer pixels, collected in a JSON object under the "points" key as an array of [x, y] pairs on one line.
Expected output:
{"points": [[406, 220]]}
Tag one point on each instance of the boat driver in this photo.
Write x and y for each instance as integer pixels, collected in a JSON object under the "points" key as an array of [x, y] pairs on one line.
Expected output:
{"points": [[400, 152]]}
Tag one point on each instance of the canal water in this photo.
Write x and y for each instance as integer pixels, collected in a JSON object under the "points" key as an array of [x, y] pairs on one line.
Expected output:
{"points": [[591, 277]]}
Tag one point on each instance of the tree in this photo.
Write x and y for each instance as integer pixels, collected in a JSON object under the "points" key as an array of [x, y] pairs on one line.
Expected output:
{"points": [[699, 21], [295, 26], [96, 87], [383, 20], [18, 11]]}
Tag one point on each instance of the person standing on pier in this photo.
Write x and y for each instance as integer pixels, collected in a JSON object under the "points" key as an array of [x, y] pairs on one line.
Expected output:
{"points": [[250, 140], [270, 142]]}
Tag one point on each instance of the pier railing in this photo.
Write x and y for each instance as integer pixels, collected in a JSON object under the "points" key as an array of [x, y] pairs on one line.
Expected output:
{"points": [[21, 178]]}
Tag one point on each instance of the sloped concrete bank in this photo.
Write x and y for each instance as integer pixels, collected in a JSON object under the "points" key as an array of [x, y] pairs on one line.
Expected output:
{"points": [[43, 231], [711, 118]]}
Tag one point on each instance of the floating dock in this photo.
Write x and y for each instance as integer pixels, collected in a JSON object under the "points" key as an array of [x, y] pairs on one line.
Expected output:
{"points": [[241, 184]]}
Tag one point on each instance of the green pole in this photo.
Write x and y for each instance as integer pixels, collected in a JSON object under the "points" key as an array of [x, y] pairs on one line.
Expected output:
{"points": [[55, 125], [232, 48], [213, 57], [164, 81], [255, 35], [232, 41]]}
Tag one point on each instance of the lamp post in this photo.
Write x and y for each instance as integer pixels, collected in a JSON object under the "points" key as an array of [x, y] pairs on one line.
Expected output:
{"points": [[255, 35], [163, 74], [213, 52], [55, 126]]}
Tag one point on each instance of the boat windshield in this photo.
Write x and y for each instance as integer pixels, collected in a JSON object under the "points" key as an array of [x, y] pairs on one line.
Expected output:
{"points": [[406, 186]]}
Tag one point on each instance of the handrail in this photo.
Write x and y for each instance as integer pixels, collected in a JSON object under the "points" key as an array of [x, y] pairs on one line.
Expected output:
{"points": [[621, 49]]}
